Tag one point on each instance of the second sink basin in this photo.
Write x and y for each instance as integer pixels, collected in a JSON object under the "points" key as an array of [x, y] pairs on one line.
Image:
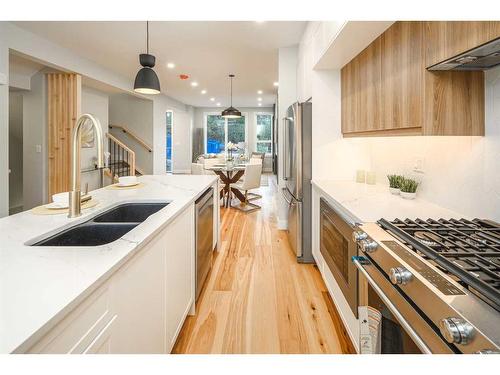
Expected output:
{"points": [[129, 213]]}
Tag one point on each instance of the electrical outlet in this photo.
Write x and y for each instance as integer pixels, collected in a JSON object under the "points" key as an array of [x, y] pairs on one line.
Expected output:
{"points": [[38, 149], [418, 164]]}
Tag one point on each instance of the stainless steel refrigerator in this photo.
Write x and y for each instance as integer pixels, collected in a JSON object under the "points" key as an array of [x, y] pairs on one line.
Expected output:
{"points": [[297, 168]]}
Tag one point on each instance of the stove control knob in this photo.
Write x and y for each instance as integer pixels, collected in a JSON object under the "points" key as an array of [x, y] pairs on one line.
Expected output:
{"points": [[359, 236], [400, 276], [456, 330], [368, 246]]}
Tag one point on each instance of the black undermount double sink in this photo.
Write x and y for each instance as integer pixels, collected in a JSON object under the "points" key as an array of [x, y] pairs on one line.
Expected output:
{"points": [[104, 228]]}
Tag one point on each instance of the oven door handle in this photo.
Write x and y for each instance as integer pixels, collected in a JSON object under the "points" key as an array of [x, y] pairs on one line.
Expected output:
{"points": [[414, 335]]}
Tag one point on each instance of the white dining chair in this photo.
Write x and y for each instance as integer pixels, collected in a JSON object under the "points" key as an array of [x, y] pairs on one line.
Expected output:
{"points": [[258, 161], [197, 168], [253, 174]]}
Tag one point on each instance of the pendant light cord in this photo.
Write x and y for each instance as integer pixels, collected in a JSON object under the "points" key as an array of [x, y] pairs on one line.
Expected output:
{"points": [[231, 91], [147, 37]]}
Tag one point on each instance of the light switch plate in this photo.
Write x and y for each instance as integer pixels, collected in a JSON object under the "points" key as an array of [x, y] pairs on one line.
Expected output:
{"points": [[38, 149]]}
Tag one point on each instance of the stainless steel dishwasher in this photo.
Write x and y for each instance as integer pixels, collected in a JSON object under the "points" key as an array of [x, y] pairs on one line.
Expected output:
{"points": [[204, 210]]}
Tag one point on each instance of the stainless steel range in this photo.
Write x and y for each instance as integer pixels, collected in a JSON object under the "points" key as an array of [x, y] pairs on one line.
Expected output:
{"points": [[439, 279]]}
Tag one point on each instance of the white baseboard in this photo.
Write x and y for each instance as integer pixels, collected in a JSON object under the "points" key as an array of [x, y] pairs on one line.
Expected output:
{"points": [[282, 224]]}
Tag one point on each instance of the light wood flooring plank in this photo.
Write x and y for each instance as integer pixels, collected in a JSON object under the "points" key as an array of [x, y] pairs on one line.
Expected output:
{"points": [[257, 298]]}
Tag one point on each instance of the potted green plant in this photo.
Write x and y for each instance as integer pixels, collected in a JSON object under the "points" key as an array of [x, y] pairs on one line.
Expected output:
{"points": [[394, 183], [408, 188]]}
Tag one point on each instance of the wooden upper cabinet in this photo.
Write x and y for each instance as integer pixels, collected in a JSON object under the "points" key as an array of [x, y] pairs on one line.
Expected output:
{"points": [[387, 90], [402, 76], [361, 84], [451, 38]]}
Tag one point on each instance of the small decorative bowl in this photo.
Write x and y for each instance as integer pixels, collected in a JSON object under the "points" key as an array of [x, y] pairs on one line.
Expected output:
{"points": [[408, 195]]}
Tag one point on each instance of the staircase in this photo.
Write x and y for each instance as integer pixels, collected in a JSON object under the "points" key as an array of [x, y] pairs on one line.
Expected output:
{"points": [[121, 159]]}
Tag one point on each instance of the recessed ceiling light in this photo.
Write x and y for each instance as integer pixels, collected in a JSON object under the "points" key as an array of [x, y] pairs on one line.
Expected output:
{"points": [[260, 104], [194, 83], [259, 92], [212, 99], [276, 84], [203, 92], [218, 104], [171, 65], [260, 21], [259, 99]]}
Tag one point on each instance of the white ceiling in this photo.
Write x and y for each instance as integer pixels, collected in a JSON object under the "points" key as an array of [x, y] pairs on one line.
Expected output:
{"points": [[207, 51]]}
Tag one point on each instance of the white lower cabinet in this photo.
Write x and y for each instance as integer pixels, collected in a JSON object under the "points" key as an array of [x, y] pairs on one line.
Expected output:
{"points": [[181, 275], [142, 307]]}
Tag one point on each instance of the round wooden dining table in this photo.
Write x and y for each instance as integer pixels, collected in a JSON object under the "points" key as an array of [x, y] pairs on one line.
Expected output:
{"points": [[229, 174]]}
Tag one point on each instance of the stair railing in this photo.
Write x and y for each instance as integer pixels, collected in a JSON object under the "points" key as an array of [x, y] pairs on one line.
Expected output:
{"points": [[121, 158]]}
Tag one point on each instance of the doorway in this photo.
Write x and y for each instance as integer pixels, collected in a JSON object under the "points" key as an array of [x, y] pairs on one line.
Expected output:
{"points": [[15, 151]]}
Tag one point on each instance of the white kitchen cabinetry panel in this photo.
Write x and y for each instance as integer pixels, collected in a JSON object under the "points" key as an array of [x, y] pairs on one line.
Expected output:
{"points": [[77, 330], [138, 290], [102, 343], [180, 280]]}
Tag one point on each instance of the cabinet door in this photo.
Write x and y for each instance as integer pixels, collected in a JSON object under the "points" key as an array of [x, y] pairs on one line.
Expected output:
{"points": [[138, 292], [360, 91], [180, 279], [402, 76], [349, 78], [368, 104]]}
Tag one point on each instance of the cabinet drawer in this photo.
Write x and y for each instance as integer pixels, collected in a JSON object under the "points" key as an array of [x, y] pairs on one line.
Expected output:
{"points": [[79, 329]]}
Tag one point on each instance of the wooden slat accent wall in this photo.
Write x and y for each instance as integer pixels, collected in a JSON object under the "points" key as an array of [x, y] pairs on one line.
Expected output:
{"points": [[63, 108]]}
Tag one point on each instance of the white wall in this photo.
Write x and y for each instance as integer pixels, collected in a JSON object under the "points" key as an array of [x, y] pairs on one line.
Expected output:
{"points": [[94, 102], [287, 95], [136, 115], [35, 158], [15, 151], [4, 121], [161, 105], [250, 113]]}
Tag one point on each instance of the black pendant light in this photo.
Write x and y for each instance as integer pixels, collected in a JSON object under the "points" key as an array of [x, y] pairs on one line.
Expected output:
{"points": [[231, 112], [146, 80]]}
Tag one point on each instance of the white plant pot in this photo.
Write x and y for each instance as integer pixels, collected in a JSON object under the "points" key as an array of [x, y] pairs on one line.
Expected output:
{"points": [[394, 191], [408, 195]]}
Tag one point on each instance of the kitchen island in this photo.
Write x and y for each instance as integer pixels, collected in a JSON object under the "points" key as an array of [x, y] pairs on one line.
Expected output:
{"points": [[128, 296]]}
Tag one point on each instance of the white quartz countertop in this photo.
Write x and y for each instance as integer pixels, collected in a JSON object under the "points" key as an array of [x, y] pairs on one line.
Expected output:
{"points": [[40, 285], [363, 203]]}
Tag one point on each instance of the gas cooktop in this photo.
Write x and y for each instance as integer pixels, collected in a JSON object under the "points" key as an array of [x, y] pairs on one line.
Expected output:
{"points": [[466, 250]]}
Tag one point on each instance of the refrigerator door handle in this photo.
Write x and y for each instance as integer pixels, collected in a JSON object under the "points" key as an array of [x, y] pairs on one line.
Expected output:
{"points": [[284, 193], [285, 144]]}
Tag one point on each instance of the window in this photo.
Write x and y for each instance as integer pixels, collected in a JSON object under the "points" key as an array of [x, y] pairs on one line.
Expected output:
{"points": [[168, 151], [264, 123], [219, 131]]}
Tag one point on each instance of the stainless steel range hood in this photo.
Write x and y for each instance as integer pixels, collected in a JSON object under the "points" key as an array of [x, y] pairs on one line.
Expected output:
{"points": [[483, 57]]}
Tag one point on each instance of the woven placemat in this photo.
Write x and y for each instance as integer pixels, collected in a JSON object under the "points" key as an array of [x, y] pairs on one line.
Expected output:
{"points": [[116, 187], [43, 210]]}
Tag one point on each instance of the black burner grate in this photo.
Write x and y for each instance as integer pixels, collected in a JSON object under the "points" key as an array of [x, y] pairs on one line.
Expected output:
{"points": [[467, 250]]}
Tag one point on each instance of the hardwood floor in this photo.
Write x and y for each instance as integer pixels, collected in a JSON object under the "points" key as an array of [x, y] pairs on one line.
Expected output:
{"points": [[258, 299]]}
